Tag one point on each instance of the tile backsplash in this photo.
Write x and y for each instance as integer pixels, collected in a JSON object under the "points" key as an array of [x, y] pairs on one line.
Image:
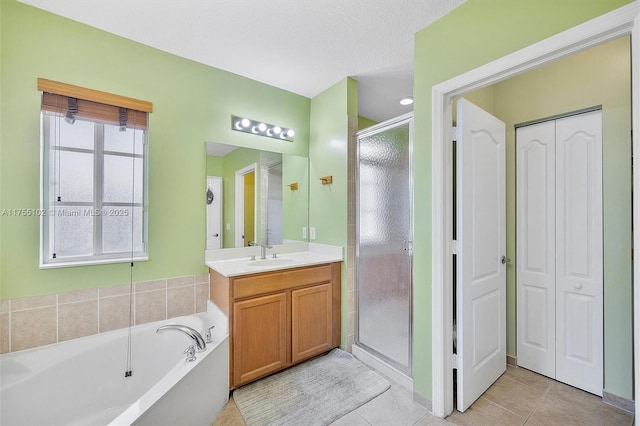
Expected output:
{"points": [[41, 320]]}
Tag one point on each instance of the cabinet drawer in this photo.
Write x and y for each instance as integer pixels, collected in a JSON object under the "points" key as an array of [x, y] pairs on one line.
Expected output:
{"points": [[305, 276], [267, 283]]}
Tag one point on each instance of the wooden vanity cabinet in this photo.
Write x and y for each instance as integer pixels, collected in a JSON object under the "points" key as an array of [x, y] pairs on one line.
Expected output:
{"points": [[311, 325], [260, 335], [278, 319]]}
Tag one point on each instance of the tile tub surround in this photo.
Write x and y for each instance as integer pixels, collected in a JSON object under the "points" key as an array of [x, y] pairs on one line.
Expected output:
{"points": [[41, 320]]}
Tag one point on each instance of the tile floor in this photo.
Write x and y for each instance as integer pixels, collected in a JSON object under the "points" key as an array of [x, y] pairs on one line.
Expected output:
{"points": [[518, 397]]}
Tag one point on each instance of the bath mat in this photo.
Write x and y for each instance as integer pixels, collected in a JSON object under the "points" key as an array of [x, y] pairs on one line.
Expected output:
{"points": [[316, 392]]}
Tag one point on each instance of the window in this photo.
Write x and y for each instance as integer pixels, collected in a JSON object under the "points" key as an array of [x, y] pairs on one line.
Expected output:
{"points": [[94, 188]]}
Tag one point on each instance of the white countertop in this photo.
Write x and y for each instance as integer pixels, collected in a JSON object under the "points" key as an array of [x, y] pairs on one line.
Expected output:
{"points": [[235, 262]]}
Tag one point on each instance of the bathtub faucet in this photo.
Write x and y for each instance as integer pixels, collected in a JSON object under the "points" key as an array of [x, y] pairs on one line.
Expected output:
{"points": [[194, 335]]}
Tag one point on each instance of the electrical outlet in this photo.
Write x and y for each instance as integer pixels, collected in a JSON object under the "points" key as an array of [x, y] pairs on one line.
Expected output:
{"points": [[312, 232], [304, 232]]}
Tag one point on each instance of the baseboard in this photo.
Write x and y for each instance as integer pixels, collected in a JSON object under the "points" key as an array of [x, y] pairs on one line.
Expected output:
{"points": [[423, 401], [512, 361], [618, 401], [382, 367]]}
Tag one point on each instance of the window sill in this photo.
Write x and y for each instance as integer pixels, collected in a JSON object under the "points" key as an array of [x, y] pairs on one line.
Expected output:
{"points": [[106, 261]]}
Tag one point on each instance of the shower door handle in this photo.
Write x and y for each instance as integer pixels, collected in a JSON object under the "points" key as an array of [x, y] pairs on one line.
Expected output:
{"points": [[407, 245]]}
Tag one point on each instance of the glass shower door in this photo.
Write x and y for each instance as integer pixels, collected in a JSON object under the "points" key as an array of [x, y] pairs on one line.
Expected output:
{"points": [[384, 242]]}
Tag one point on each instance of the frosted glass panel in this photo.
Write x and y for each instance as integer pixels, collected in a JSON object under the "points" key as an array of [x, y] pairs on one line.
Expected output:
{"points": [[116, 229], [76, 135], [74, 231], [119, 182], [130, 141], [72, 176], [384, 238]]}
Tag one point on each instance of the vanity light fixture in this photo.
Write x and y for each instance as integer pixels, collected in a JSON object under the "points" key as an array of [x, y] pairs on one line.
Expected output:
{"points": [[408, 100], [261, 128]]}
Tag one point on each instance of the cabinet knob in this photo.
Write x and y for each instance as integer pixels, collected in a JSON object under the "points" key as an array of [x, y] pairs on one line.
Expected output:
{"points": [[577, 286]]}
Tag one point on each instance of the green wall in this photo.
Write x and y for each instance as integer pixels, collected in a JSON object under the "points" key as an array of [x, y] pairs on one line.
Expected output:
{"points": [[295, 212], [364, 122], [236, 160], [192, 104], [214, 165], [328, 153], [472, 35]]}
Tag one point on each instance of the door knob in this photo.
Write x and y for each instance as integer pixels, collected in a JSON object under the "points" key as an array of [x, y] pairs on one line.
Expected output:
{"points": [[216, 235], [505, 259]]}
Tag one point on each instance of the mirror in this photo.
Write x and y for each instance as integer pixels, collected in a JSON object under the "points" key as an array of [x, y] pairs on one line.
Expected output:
{"points": [[255, 197]]}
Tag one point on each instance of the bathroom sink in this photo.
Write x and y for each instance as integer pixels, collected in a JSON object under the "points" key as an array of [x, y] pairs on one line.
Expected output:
{"points": [[236, 262], [270, 262]]}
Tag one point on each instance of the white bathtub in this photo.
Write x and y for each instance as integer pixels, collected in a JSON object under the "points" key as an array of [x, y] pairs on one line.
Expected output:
{"points": [[82, 381]]}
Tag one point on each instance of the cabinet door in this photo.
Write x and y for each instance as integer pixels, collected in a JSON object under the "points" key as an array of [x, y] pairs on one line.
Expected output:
{"points": [[311, 321], [259, 337]]}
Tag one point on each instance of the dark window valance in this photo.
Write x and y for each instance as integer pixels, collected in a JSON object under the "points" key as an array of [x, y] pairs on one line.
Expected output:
{"points": [[81, 103]]}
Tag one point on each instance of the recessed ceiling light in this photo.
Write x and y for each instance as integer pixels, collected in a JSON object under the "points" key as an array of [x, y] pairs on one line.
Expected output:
{"points": [[406, 101]]}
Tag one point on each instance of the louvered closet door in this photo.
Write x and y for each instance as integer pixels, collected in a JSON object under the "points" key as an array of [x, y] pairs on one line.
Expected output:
{"points": [[560, 250]]}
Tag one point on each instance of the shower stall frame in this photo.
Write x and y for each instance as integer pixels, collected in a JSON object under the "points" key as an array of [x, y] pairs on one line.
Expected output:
{"points": [[374, 358]]}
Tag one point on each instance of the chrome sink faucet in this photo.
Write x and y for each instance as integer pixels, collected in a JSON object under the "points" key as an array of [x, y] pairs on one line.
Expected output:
{"points": [[263, 251]]}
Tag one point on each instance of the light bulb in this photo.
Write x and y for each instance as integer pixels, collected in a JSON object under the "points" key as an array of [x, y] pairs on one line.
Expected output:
{"points": [[277, 130], [283, 135], [238, 125], [406, 101], [269, 131], [245, 122], [290, 133], [262, 127], [254, 129]]}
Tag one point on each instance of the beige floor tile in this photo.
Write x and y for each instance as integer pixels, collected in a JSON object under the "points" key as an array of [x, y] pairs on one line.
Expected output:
{"points": [[230, 415], [566, 405], [529, 378], [429, 420], [351, 419], [484, 412], [514, 396]]}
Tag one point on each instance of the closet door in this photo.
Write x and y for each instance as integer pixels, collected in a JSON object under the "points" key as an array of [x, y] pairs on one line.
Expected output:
{"points": [[579, 252], [536, 231]]}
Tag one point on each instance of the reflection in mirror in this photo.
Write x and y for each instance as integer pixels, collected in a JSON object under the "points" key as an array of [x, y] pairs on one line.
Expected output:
{"points": [[253, 197]]}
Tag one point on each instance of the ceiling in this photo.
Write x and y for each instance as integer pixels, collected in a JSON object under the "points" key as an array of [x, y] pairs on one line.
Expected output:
{"points": [[303, 46]]}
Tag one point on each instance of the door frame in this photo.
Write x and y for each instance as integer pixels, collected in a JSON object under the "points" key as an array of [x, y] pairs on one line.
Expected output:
{"points": [[617, 23], [239, 204]]}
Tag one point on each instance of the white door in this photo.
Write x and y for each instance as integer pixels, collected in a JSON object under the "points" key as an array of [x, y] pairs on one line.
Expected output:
{"points": [[480, 273], [535, 244], [214, 212], [560, 250], [579, 282]]}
